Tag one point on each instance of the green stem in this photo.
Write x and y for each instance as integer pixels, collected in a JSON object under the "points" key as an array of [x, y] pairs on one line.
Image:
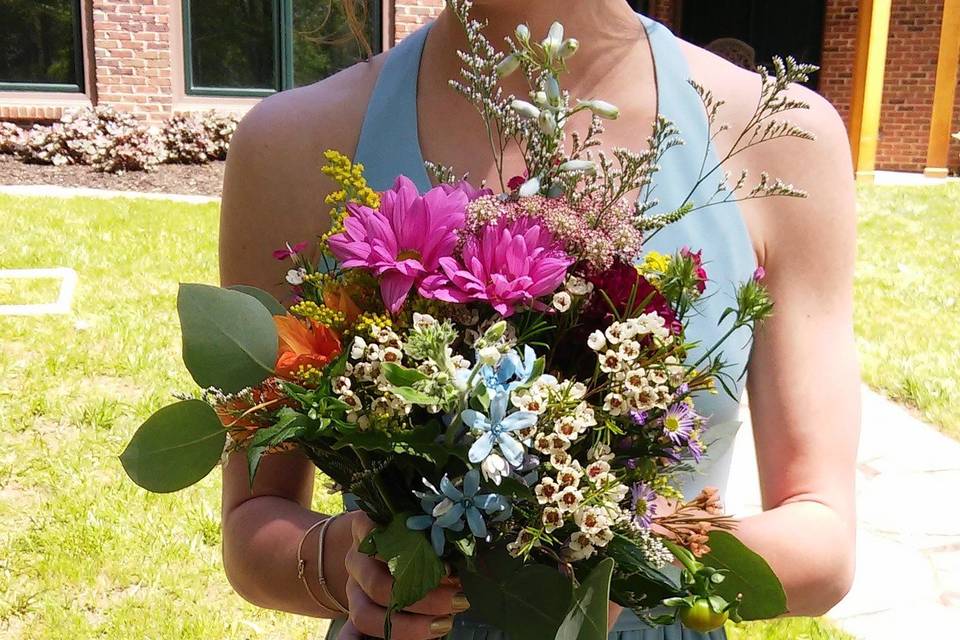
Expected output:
{"points": [[464, 398]]}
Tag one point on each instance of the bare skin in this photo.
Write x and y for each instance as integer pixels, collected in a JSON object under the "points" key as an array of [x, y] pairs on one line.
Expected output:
{"points": [[803, 379]]}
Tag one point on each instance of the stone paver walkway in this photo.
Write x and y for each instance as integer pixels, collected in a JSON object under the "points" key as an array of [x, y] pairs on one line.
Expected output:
{"points": [[908, 548]]}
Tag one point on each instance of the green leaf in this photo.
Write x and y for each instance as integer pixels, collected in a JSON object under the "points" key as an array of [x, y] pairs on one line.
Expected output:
{"points": [[400, 376], [291, 425], [587, 619], [420, 442], [636, 582], [229, 338], [267, 300], [414, 397], [414, 565], [175, 448], [526, 601], [748, 574]]}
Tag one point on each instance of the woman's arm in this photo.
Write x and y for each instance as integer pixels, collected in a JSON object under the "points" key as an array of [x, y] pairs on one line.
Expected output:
{"points": [[803, 382]]}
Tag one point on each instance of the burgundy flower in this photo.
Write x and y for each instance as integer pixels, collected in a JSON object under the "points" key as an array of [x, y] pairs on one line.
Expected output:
{"points": [[618, 283]]}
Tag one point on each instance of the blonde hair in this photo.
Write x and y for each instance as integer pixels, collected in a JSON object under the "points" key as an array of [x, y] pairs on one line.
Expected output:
{"points": [[356, 13]]}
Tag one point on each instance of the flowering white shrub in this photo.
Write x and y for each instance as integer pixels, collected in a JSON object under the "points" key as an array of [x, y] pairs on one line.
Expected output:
{"points": [[198, 138], [11, 138], [114, 141]]}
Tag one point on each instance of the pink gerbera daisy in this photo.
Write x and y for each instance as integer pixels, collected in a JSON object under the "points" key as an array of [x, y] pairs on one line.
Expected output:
{"points": [[507, 266], [403, 242]]}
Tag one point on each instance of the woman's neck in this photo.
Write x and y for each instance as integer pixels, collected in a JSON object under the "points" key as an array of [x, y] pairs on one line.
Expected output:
{"points": [[608, 30]]}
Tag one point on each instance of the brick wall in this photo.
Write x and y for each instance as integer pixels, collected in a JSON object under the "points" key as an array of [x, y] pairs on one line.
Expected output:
{"points": [[410, 15], [131, 41], [839, 54]]}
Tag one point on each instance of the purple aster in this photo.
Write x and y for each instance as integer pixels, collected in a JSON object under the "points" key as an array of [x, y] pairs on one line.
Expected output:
{"points": [[638, 417], [678, 423], [696, 450], [643, 504]]}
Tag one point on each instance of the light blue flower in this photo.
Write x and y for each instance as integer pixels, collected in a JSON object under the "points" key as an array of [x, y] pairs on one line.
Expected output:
{"points": [[429, 502], [497, 428], [511, 372], [450, 506]]}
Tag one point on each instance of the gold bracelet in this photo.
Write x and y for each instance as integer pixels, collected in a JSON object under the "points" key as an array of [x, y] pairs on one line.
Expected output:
{"points": [[301, 564], [324, 589]]}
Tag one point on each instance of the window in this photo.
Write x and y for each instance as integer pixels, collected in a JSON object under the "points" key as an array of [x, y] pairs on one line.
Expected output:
{"points": [[259, 47], [41, 45]]}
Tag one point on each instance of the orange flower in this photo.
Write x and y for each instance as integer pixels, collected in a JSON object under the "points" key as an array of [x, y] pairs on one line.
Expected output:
{"points": [[303, 346], [337, 298]]}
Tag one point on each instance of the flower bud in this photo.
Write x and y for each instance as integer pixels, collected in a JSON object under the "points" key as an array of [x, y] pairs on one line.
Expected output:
{"points": [[489, 356], [552, 88], [525, 109], [522, 33], [554, 39], [580, 166], [508, 65], [568, 48], [548, 123], [539, 97], [602, 108], [495, 332], [530, 188]]}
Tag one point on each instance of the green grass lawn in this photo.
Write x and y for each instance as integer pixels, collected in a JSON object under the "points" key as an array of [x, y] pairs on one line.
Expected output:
{"points": [[907, 306], [86, 554]]}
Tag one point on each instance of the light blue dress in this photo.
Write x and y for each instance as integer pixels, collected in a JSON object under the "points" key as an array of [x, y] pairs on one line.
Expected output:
{"points": [[389, 145]]}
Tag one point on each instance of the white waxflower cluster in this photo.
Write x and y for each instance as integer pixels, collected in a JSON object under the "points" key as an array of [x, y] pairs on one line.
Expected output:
{"points": [[362, 387], [633, 387], [589, 497], [574, 288]]}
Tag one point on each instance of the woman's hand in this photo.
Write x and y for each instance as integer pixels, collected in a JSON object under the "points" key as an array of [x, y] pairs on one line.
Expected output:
{"points": [[368, 592]]}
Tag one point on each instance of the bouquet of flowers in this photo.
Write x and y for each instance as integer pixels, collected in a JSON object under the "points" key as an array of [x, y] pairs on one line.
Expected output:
{"points": [[499, 379]]}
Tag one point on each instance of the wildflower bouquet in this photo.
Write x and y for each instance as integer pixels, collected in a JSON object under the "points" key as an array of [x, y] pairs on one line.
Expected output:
{"points": [[501, 380]]}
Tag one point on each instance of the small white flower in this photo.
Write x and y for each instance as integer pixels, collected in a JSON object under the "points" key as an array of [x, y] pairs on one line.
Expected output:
{"points": [[569, 476], [295, 276], [423, 320], [495, 469], [341, 384], [392, 354], [489, 355], [597, 471], [611, 362], [373, 353], [358, 348], [380, 405], [528, 402], [350, 399], [614, 404], [559, 459], [567, 428], [578, 286], [577, 391], [547, 491], [614, 333], [629, 349], [602, 538], [579, 547], [597, 341], [552, 519], [585, 415], [562, 301], [600, 451], [591, 520], [635, 380], [569, 499]]}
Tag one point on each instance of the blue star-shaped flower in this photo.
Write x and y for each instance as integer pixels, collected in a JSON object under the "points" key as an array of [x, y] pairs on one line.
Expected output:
{"points": [[496, 430]]}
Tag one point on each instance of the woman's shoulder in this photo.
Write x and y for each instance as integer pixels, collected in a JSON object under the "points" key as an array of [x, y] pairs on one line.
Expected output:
{"points": [[273, 188], [822, 167]]}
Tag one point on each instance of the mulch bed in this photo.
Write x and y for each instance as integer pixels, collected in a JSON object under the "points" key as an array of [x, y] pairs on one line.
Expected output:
{"points": [[205, 179]]}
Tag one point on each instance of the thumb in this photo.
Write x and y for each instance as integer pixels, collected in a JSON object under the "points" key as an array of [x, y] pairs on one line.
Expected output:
{"points": [[349, 632]]}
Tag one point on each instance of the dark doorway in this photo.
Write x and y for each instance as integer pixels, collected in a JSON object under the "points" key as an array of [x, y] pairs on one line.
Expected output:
{"points": [[742, 30]]}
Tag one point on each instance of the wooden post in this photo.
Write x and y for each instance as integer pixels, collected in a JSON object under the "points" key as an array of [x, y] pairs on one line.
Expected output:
{"points": [[872, 34], [945, 93]]}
